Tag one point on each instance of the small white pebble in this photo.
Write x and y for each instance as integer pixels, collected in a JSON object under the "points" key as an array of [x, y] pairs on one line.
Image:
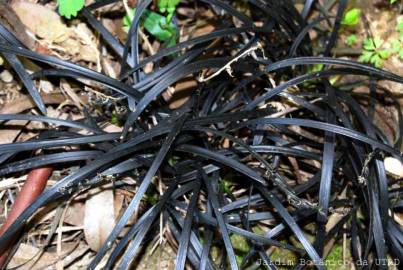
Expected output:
{"points": [[6, 76], [394, 166], [46, 86]]}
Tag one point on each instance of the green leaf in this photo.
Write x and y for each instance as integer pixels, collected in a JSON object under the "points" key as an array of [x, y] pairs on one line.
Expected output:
{"points": [[316, 68], [400, 25], [396, 45], [352, 17], [156, 25], [115, 118], [372, 44], [69, 8], [378, 42], [225, 186], [393, 1], [172, 41], [369, 45], [399, 28], [168, 5], [384, 54], [162, 5], [351, 40], [377, 60], [366, 57]]}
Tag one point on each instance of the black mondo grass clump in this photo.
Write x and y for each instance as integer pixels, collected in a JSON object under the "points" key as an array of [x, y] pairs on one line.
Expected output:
{"points": [[264, 140]]}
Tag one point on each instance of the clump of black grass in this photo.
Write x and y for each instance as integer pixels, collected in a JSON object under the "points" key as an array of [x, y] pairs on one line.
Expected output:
{"points": [[240, 159]]}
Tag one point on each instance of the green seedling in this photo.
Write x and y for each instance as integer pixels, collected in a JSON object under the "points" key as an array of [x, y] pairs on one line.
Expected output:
{"points": [[315, 68], [152, 199], [352, 17], [115, 118], [373, 52], [168, 6], [225, 186], [69, 8], [156, 24], [334, 260], [351, 40]]}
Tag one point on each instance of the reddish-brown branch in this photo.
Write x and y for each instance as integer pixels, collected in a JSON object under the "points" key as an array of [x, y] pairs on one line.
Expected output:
{"points": [[32, 188]]}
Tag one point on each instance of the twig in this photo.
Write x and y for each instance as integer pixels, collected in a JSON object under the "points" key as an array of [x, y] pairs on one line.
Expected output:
{"points": [[60, 263], [341, 51], [227, 67]]}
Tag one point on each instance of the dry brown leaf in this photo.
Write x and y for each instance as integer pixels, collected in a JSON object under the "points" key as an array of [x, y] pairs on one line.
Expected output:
{"points": [[180, 94], [10, 20], [25, 102], [87, 53], [203, 30], [399, 218], [9, 135], [88, 50], [110, 68], [72, 46], [110, 128], [118, 204], [42, 21], [65, 87], [75, 255], [75, 214], [23, 257], [99, 218]]}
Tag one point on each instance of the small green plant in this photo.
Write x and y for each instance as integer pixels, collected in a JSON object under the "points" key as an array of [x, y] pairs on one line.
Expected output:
{"points": [[168, 6], [69, 8], [151, 199], [241, 245], [400, 27], [397, 47], [397, 43], [373, 52], [156, 24], [352, 17], [225, 186], [115, 118], [315, 68], [351, 40]]}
